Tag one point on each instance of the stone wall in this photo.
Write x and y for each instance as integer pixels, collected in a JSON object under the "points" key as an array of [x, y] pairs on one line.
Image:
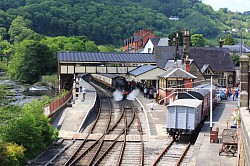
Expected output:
{"points": [[244, 141], [244, 129]]}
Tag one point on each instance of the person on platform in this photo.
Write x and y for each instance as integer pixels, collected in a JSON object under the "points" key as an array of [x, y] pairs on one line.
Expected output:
{"points": [[83, 93], [145, 90], [151, 105]]}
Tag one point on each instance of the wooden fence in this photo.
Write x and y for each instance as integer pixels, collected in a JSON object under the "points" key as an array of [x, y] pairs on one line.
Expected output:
{"points": [[57, 104]]}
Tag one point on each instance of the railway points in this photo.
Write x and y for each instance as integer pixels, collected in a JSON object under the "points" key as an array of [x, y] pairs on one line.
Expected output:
{"points": [[201, 151]]}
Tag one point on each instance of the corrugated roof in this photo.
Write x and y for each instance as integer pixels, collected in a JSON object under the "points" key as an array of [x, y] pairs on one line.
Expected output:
{"points": [[186, 103], [176, 73], [142, 69], [106, 57]]}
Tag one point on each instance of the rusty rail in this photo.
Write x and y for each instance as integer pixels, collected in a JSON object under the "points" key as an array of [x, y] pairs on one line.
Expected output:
{"points": [[139, 128], [162, 153], [183, 154]]}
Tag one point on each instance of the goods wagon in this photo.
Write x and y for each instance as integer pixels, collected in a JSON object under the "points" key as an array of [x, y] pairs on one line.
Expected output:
{"points": [[201, 92], [184, 116]]}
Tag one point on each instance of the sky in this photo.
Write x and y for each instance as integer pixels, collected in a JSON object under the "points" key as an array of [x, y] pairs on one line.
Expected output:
{"points": [[232, 5]]}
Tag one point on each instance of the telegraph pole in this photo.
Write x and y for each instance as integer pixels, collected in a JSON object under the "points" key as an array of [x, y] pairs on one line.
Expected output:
{"points": [[211, 104]]}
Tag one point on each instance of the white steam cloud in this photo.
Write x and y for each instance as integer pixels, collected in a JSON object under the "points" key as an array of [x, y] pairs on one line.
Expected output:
{"points": [[118, 95], [132, 95]]}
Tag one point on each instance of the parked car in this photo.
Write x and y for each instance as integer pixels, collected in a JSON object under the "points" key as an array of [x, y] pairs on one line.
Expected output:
{"points": [[221, 94]]}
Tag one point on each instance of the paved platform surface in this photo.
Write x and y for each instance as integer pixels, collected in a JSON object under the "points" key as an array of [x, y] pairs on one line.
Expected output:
{"points": [[71, 118], [205, 153]]}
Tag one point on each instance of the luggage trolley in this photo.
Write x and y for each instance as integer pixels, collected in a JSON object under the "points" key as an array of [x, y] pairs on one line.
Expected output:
{"points": [[229, 141]]}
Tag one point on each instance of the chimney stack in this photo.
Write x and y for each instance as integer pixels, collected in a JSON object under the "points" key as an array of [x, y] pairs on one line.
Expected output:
{"points": [[186, 45]]}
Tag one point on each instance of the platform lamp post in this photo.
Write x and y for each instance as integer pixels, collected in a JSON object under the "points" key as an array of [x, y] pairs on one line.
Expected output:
{"points": [[211, 104], [74, 89]]}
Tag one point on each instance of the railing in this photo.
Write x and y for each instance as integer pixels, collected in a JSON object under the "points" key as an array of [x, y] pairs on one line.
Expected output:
{"points": [[57, 104]]}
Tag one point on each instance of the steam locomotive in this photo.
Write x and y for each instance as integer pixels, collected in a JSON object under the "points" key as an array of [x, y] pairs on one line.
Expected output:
{"points": [[113, 82]]}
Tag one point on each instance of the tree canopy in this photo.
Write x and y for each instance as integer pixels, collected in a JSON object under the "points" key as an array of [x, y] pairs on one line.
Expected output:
{"points": [[110, 22], [198, 40], [25, 132]]}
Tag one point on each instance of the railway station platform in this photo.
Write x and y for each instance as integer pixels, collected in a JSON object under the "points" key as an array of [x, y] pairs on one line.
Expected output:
{"points": [[156, 118], [71, 118], [203, 152], [206, 153]]}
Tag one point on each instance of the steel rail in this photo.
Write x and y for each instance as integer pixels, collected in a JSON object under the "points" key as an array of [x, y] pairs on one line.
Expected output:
{"points": [[120, 118], [108, 149], [183, 154], [163, 152], [127, 125], [71, 160], [139, 128]]}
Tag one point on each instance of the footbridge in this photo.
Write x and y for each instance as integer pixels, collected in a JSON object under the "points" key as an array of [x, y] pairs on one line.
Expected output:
{"points": [[70, 64]]}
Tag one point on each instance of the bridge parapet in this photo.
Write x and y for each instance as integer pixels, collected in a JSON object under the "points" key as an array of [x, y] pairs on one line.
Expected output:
{"points": [[244, 133]]}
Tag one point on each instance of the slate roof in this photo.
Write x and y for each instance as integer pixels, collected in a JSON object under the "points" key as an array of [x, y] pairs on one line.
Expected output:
{"points": [[155, 41], [219, 59], [172, 64], [163, 54], [204, 67], [142, 69], [163, 42], [176, 73], [237, 48], [106, 57]]}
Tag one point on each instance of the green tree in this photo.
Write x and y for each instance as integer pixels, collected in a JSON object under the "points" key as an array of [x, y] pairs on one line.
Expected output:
{"points": [[31, 60], [3, 94], [229, 40], [25, 131], [236, 59], [198, 40], [5, 53], [91, 46], [13, 154], [31, 128], [108, 48]]}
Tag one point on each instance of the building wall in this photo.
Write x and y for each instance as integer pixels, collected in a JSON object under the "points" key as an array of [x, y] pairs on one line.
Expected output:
{"points": [[196, 72], [148, 46], [134, 46]]}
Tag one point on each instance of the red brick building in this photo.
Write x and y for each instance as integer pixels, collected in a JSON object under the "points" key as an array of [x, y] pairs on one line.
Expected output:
{"points": [[137, 42], [173, 80]]}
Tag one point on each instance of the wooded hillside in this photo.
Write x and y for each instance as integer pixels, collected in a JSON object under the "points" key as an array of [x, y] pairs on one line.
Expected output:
{"points": [[109, 21]]}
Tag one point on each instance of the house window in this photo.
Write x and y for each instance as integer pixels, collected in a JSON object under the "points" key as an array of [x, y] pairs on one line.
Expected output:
{"points": [[222, 79], [171, 84], [162, 83], [149, 50]]}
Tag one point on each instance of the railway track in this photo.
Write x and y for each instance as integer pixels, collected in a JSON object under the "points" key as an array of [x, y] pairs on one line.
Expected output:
{"points": [[173, 153], [111, 135]]}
